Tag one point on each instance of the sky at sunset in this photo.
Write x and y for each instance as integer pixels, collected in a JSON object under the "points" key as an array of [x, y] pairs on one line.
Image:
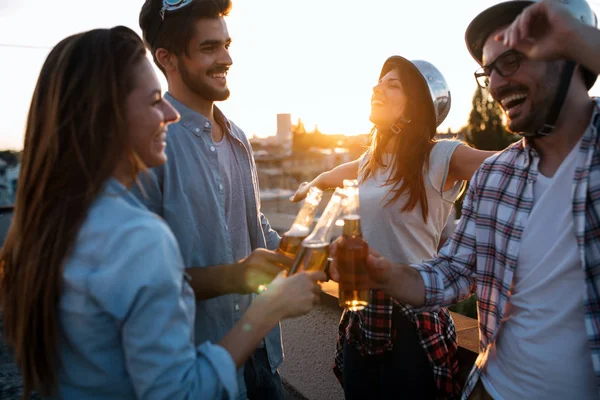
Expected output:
{"points": [[315, 59]]}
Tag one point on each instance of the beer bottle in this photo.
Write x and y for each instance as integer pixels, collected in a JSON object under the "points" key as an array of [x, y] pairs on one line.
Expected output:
{"points": [[292, 239], [351, 254], [315, 248]]}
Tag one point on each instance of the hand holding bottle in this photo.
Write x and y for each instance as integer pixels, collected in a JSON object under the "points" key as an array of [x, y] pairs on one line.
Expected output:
{"points": [[292, 296], [258, 269]]}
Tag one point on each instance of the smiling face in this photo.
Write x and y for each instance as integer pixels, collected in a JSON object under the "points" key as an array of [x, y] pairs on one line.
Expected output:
{"points": [[388, 101], [148, 115], [527, 95], [204, 69]]}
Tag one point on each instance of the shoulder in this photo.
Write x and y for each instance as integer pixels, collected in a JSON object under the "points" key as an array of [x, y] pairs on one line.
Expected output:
{"points": [[121, 250], [130, 239], [444, 144], [441, 153], [506, 156], [500, 168]]}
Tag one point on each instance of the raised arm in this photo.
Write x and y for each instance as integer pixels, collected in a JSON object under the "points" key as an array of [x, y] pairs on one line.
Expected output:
{"points": [[546, 31]]}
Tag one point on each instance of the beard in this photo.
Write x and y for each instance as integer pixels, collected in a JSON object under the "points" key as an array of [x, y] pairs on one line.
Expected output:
{"points": [[199, 85], [541, 105]]}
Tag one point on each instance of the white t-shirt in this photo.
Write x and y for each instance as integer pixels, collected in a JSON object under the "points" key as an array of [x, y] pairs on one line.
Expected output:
{"points": [[403, 236], [542, 349]]}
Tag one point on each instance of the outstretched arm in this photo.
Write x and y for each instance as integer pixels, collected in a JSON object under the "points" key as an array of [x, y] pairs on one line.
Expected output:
{"points": [[330, 179]]}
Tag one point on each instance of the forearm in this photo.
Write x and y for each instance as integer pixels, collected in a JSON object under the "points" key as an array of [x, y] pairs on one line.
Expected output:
{"points": [[335, 177], [213, 281], [584, 49], [406, 285], [242, 340]]}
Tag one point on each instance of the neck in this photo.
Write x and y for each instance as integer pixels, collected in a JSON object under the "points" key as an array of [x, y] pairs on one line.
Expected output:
{"points": [[182, 93], [391, 144], [572, 123], [122, 173]]}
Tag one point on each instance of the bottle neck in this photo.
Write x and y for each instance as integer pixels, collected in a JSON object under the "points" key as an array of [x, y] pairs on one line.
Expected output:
{"points": [[306, 215], [352, 225], [327, 220]]}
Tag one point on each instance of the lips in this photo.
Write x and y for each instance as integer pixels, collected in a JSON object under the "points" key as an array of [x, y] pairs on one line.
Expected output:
{"points": [[220, 75], [161, 139], [512, 101]]}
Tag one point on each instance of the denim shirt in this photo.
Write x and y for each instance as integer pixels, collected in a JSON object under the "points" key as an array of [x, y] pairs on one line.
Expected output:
{"points": [[125, 315], [187, 193]]}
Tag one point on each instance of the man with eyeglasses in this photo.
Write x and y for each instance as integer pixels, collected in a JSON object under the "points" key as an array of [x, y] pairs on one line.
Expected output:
{"points": [[528, 242], [208, 190]]}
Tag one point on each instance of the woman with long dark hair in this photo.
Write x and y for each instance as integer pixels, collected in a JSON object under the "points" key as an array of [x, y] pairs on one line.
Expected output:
{"points": [[96, 303], [408, 182]]}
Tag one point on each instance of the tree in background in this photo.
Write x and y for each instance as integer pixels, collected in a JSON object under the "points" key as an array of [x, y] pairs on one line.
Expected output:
{"points": [[486, 130]]}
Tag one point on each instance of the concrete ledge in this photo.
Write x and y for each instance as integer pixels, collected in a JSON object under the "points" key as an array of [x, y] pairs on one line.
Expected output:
{"points": [[309, 344]]}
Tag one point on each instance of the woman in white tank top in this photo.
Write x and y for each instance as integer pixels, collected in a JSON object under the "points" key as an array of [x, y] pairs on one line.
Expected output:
{"points": [[408, 183]]}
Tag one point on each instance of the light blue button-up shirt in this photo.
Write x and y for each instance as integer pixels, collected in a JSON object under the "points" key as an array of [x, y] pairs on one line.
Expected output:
{"points": [[187, 193], [126, 312]]}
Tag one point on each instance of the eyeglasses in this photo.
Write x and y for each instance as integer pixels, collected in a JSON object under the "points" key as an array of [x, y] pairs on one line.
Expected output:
{"points": [[505, 65], [168, 6]]}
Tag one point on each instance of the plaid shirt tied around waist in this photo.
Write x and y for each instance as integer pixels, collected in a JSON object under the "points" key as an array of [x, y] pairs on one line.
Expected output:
{"points": [[371, 332]]}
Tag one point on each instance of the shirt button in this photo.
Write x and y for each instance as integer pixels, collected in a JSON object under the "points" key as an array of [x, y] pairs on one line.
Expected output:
{"points": [[220, 187], [237, 307], [197, 130], [212, 148], [206, 124]]}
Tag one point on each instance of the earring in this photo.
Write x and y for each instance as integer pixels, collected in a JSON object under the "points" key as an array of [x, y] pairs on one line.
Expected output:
{"points": [[395, 129]]}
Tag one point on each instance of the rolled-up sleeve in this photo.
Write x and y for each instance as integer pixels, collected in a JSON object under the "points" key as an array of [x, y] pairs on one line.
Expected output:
{"points": [[271, 236], [451, 276], [154, 307]]}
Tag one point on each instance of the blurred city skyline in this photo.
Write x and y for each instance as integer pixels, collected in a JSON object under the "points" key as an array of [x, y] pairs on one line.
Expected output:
{"points": [[317, 60]]}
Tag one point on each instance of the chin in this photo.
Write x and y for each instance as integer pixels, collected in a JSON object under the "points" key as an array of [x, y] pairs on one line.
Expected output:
{"points": [[156, 160], [377, 119], [221, 94]]}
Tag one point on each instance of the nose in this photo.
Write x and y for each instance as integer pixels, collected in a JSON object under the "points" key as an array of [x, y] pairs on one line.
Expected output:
{"points": [[377, 89], [170, 113], [225, 58], [496, 81]]}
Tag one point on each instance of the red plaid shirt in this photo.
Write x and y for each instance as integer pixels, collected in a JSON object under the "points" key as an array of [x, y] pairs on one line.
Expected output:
{"points": [[371, 332]]}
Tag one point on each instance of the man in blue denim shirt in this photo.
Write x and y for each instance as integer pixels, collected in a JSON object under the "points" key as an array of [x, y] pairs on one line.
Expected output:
{"points": [[208, 190]]}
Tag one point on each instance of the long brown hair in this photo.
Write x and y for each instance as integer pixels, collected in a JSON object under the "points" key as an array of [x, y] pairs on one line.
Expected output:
{"points": [[76, 135], [410, 155]]}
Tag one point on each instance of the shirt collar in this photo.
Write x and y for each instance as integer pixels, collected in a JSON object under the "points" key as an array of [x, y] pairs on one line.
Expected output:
{"points": [[114, 188], [590, 132], [192, 119]]}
